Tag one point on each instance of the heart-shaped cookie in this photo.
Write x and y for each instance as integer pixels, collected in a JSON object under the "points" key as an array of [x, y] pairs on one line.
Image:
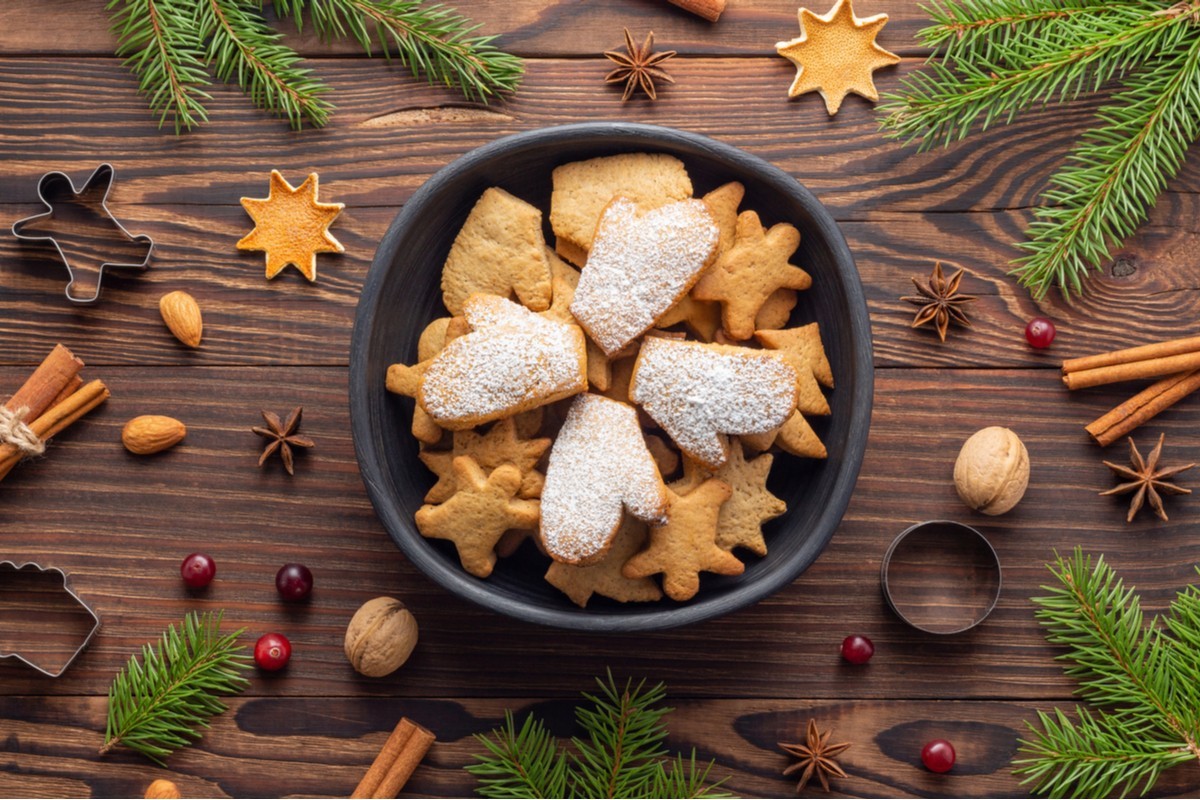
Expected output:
{"points": [[599, 465], [700, 392], [512, 360], [639, 266]]}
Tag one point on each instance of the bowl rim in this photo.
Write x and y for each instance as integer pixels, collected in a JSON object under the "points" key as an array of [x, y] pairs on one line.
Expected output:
{"points": [[459, 582]]}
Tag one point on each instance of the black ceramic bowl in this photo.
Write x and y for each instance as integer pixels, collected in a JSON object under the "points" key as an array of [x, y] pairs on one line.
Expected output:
{"points": [[402, 294]]}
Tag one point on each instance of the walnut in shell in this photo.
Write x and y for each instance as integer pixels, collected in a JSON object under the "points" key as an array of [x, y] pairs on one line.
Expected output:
{"points": [[381, 636], [992, 470]]}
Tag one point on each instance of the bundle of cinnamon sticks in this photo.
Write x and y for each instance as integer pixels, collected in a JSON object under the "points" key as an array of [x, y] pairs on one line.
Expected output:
{"points": [[396, 762], [1176, 363], [50, 401]]}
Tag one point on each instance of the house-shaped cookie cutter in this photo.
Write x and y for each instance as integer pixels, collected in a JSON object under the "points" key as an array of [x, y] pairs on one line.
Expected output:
{"points": [[12, 566]]}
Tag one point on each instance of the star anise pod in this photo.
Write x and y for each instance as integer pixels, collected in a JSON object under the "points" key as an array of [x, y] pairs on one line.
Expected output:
{"points": [[282, 437], [638, 67], [1146, 480], [940, 301], [816, 757]]}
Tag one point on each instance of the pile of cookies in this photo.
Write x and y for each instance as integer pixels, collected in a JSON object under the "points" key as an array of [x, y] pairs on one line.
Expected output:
{"points": [[566, 386]]}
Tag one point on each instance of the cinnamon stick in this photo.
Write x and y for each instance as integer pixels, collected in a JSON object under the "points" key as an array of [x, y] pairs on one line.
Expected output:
{"points": [[1132, 370], [47, 382], [57, 420], [1146, 352], [406, 763], [709, 9], [1143, 406], [387, 756]]}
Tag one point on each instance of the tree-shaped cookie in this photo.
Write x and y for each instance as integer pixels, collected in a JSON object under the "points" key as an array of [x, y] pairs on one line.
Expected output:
{"points": [[751, 271], [605, 577], [500, 445], [483, 508], [686, 545]]}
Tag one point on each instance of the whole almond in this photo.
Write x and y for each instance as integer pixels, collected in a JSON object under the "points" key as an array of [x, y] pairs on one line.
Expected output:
{"points": [[152, 434], [181, 312]]}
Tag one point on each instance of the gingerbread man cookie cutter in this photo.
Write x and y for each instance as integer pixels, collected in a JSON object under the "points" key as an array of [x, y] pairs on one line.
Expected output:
{"points": [[53, 187], [13, 567]]}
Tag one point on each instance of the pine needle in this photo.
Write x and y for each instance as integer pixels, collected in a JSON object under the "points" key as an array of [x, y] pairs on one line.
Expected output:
{"points": [[621, 753], [1143, 675], [999, 58], [156, 705]]}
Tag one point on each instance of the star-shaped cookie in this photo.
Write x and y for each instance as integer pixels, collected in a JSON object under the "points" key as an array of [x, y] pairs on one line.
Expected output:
{"points": [[605, 577], [750, 504], [500, 445], [479, 513], [836, 54], [686, 545], [749, 272], [291, 226]]}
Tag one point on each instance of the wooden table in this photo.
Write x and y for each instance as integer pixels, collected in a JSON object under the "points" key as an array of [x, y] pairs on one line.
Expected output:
{"points": [[120, 524]]}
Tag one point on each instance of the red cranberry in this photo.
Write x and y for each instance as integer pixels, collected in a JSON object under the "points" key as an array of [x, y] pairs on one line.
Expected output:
{"points": [[857, 649], [272, 651], [1040, 332], [938, 756], [198, 570], [294, 581]]}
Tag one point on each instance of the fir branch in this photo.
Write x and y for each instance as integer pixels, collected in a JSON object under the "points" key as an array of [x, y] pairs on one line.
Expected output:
{"points": [[1112, 178], [160, 46], [155, 706], [522, 764], [1144, 675], [621, 756], [944, 104], [428, 38], [242, 47]]}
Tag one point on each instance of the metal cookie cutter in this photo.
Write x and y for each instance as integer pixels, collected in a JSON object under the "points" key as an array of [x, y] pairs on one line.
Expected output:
{"points": [[45, 227], [11, 566]]}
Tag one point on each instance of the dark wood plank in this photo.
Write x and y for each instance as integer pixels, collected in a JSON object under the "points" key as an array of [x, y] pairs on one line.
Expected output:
{"points": [[281, 747], [121, 524], [525, 27]]}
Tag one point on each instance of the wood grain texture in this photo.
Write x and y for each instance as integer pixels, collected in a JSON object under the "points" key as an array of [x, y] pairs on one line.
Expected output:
{"points": [[120, 524]]}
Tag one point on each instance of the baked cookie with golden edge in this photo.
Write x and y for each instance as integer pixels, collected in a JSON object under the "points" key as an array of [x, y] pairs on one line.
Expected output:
{"points": [[795, 436], [499, 250], [565, 278], [751, 271], [776, 310], [749, 506], [685, 545], [605, 577], [640, 264], [476, 517], [701, 393], [512, 360], [582, 189], [291, 226], [836, 54], [432, 340], [500, 445], [803, 343], [599, 468], [723, 203]]}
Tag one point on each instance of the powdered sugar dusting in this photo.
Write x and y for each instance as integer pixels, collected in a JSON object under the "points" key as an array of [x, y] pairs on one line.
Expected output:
{"points": [[598, 464], [697, 392], [639, 267], [513, 359]]}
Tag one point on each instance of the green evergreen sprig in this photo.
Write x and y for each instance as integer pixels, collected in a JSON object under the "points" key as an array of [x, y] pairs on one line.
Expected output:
{"points": [[171, 45], [997, 58], [620, 755], [1145, 678], [156, 705]]}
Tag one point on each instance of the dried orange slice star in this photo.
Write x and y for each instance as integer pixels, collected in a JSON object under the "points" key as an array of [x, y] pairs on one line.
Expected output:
{"points": [[291, 226]]}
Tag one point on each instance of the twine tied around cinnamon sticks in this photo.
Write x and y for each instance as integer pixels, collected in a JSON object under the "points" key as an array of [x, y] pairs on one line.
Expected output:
{"points": [[1176, 363], [13, 430]]}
